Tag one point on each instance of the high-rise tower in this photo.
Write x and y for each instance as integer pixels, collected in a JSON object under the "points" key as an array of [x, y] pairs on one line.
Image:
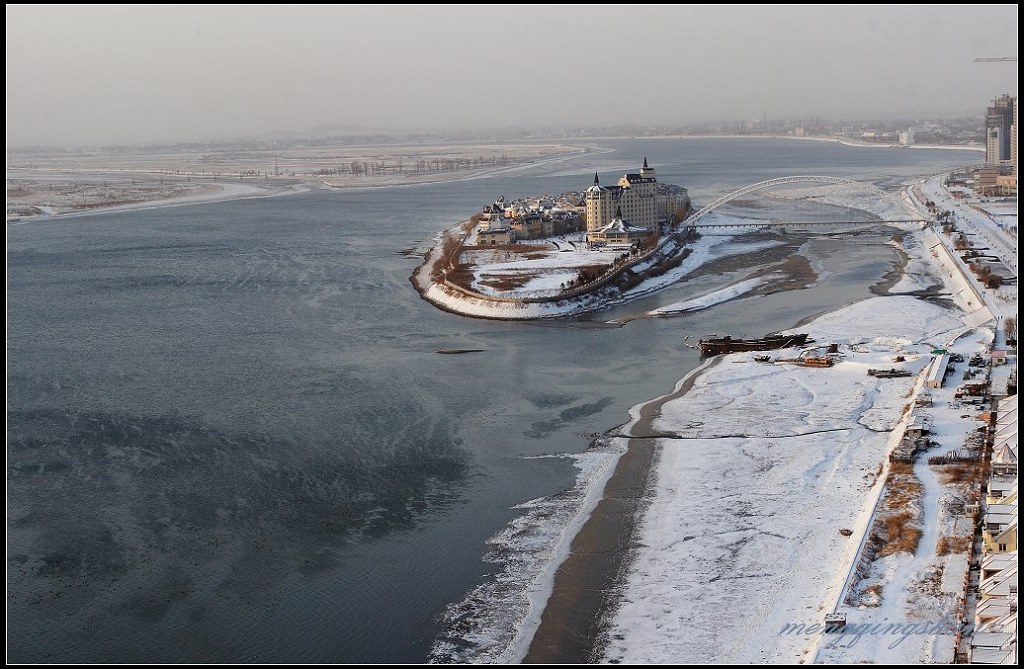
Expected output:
{"points": [[999, 122]]}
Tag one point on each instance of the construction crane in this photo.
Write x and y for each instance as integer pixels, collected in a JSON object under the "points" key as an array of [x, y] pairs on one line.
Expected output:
{"points": [[1005, 59]]}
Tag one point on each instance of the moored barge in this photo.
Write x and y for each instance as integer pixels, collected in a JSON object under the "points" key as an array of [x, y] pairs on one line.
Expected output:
{"points": [[769, 342]]}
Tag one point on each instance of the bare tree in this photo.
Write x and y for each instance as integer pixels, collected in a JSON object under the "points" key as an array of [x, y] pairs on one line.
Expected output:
{"points": [[1010, 327]]}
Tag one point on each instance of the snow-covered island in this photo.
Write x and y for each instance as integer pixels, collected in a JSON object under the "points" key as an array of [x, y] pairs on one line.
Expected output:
{"points": [[547, 257]]}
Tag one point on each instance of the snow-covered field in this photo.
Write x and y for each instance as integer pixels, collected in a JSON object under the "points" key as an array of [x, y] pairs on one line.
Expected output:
{"points": [[767, 464], [544, 271]]}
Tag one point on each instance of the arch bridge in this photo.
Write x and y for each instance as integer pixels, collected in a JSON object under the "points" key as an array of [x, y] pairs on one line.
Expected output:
{"points": [[696, 219]]}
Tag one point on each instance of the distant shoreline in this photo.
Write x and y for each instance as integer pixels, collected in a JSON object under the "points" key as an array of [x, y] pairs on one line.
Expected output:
{"points": [[833, 140], [213, 191], [49, 188]]}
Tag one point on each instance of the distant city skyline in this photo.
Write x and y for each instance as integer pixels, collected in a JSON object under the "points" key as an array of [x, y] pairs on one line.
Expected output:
{"points": [[108, 75]]}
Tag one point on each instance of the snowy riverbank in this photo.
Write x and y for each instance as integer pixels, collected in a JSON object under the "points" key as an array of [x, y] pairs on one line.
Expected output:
{"points": [[764, 466], [48, 200]]}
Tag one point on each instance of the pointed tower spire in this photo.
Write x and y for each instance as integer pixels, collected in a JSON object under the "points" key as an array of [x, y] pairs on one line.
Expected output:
{"points": [[645, 163], [618, 212], [597, 181]]}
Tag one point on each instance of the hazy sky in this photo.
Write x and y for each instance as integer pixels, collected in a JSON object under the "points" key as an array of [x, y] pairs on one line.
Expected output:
{"points": [[103, 74]]}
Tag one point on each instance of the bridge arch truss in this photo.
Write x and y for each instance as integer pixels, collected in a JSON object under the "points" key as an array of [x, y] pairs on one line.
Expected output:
{"points": [[771, 183]]}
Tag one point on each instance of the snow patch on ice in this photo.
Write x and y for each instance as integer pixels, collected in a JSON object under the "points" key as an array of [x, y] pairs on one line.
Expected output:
{"points": [[715, 297]]}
